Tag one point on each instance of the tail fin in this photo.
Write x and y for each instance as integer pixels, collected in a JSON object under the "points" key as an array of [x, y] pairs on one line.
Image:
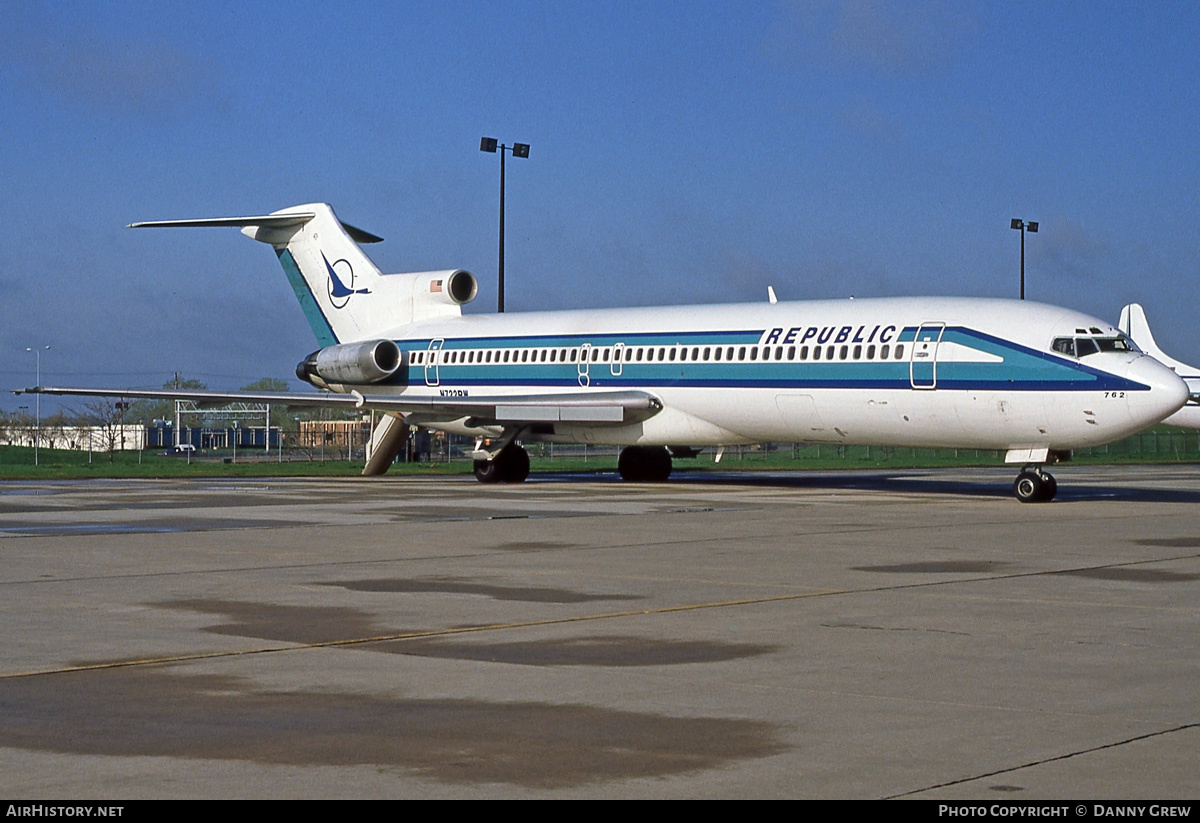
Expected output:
{"points": [[1133, 323], [1135, 326], [343, 294]]}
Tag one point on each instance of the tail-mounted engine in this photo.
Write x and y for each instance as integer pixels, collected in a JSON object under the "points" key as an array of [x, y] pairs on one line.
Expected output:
{"points": [[351, 363], [451, 288]]}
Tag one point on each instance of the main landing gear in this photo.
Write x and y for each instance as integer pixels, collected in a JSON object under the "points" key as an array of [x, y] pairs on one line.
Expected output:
{"points": [[511, 465], [1033, 485], [645, 464]]}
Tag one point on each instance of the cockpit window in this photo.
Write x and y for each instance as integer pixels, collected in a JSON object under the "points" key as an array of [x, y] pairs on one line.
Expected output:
{"points": [[1064, 345], [1084, 346], [1121, 343]]}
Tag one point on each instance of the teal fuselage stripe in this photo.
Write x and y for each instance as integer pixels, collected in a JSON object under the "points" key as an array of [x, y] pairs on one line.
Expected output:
{"points": [[1020, 368], [316, 319]]}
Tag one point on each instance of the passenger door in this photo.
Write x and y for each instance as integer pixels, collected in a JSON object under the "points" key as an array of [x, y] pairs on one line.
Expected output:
{"points": [[432, 377], [922, 368]]}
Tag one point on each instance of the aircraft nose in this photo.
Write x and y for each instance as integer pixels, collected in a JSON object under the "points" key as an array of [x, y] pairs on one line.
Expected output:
{"points": [[1167, 394]]}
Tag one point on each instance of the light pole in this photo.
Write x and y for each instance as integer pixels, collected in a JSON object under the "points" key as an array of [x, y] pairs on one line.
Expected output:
{"points": [[37, 436], [23, 410], [488, 144], [1023, 226]]}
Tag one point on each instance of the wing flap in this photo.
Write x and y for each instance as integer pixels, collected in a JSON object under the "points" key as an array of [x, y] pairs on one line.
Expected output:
{"points": [[600, 408]]}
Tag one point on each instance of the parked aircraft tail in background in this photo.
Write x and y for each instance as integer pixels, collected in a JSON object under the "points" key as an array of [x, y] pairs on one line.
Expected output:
{"points": [[1135, 326]]}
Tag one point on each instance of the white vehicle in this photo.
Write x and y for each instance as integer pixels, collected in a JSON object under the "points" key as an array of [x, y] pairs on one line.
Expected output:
{"points": [[925, 372]]}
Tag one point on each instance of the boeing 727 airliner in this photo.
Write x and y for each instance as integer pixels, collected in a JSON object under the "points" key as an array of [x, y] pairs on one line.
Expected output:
{"points": [[923, 372]]}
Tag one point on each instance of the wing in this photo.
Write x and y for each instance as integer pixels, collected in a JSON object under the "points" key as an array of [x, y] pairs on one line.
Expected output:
{"points": [[596, 408]]}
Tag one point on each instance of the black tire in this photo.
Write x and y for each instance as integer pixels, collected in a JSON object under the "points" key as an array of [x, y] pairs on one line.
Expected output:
{"points": [[1029, 487], [631, 464], [658, 464], [644, 464], [511, 465], [515, 466], [486, 471]]}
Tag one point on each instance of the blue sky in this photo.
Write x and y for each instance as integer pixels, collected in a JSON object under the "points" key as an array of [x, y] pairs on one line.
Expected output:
{"points": [[681, 152]]}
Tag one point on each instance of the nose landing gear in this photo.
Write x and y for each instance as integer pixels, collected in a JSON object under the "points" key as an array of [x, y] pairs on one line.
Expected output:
{"points": [[1033, 485]]}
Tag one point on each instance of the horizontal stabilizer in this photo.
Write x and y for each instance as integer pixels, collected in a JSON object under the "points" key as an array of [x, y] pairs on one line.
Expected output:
{"points": [[270, 221]]}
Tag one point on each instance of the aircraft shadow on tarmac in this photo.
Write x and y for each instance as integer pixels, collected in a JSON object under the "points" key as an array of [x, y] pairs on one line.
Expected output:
{"points": [[901, 482]]}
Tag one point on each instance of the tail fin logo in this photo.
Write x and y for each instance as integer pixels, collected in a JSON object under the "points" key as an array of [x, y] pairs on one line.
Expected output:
{"points": [[341, 283]]}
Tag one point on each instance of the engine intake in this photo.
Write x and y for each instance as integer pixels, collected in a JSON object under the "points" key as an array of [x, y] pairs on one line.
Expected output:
{"points": [[351, 363], [462, 287], [449, 288]]}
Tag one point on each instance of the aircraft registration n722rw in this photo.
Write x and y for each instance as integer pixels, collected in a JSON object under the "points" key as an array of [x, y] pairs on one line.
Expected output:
{"points": [[665, 382]]}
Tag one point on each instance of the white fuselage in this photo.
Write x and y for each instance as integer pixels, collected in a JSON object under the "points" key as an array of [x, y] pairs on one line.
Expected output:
{"points": [[953, 372]]}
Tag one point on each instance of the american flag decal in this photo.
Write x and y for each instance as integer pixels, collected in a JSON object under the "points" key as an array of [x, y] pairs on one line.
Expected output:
{"points": [[435, 286]]}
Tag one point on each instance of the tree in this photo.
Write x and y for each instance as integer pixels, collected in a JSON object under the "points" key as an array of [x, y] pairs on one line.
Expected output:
{"points": [[107, 414], [55, 429], [267, 384], [279, 413]]}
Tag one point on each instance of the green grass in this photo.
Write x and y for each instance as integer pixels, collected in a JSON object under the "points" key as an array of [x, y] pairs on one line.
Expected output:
{"points": [[1159, 445], [16, 462]]}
